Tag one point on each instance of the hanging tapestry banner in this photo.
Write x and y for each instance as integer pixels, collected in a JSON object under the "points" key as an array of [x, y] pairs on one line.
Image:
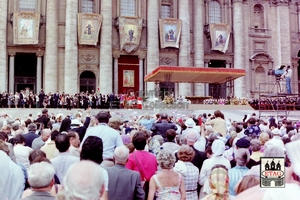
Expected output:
{"points": [[26, 28], [130, 29], [170, 30], [88, 28], [219, 35]]}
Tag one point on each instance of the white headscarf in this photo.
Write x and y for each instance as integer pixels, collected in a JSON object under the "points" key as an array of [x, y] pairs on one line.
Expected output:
{"points": [[293, 152], [218, 148]]}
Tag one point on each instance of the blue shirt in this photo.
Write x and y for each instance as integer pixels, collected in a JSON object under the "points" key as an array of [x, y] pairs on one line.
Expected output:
{"points": [[235, 175], [110, 138]]}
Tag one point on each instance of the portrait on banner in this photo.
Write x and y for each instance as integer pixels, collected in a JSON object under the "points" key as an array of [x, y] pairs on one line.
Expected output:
{"points": [[89, 28], [170, 30], [220, 34], [130, 30], [128, 78], [26, 28]]}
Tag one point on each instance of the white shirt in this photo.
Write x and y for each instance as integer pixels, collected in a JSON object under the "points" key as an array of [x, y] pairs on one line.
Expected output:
{"points": [[22, 152], [288, 73]]}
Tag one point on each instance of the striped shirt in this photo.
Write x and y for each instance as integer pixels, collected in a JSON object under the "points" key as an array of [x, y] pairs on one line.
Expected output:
{"points": [[235, 175]]}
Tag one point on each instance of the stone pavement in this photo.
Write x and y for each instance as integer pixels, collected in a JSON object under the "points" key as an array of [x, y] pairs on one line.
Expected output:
{"points": [[231, 112], [235, 113]]}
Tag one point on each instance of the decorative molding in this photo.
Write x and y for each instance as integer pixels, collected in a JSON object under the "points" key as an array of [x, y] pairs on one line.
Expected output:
{"points": [[262, 56], [167, 61], [280, 2], [260, 46], [88, 58]]}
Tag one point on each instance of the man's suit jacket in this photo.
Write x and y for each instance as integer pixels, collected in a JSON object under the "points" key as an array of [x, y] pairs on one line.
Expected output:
{"points": [[124, 184], [29, 137], [43, 119], [161, 128], [40, 196]]}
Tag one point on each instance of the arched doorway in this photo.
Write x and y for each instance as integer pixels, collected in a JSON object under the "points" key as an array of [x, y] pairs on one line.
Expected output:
{"points": [[87, 81]]}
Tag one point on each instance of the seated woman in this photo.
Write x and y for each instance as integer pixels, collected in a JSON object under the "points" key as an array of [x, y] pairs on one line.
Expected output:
{"points": [[167, 184]]}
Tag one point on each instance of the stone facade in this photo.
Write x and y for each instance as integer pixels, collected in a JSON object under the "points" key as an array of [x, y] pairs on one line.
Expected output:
{"points": [[264, 34]]}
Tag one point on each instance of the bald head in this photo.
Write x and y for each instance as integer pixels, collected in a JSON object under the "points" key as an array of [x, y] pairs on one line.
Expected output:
{"points": [[121, 154], [84, 180], [191, 136]]}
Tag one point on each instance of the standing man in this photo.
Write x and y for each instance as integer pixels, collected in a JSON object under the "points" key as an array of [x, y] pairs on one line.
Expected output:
{"points": [[110, 137], [288, 75], [41, 180], [41, 98], [31, 135], [44, 118], [37, 143], [55, 99], [161, 128], [123, 183], [64, 160]]}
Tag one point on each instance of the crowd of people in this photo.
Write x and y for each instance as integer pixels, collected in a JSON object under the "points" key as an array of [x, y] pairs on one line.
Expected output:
{"points": [[84, 100], [159, 157]]}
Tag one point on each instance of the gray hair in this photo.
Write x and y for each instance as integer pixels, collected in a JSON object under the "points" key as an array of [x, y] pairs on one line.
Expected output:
{"points": [[83, 181], [32, 127], [46, 131], [212, 137], [242, 156], [166, 159], [121, 154], [274, 148], [159, 138], [255, 145], [40, 174]]}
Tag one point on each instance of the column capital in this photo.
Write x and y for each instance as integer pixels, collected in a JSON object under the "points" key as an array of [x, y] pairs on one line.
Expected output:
{"points": [[142, 56], [12, 54], [206, 60], [39, 53], [116, 55]]}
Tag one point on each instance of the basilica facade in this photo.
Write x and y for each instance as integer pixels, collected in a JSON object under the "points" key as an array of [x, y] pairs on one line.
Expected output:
{"points": [[110, 45]]}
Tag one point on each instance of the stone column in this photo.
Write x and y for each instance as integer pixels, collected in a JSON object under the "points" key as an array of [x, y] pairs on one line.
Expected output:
{"points": [[3, 51], [106, 48], [116, 73], [285, 36], [184, 48], [238, 30], [199, 43], [51, 52], [39, 74], [71, 49], [206, 85], [141, 73], [11, 84], [152, 40]]}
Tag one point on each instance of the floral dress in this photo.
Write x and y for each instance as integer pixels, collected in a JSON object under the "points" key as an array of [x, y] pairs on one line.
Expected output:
{"points": [[167, 193]]}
